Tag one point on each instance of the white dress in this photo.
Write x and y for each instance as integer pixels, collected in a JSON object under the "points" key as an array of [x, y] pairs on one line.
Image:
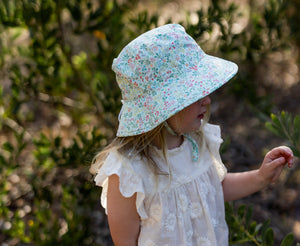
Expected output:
{"points": [[187, 209]]}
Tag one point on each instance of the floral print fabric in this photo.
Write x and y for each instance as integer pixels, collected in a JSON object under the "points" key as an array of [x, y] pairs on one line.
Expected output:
{"points": [[160, 73], [186, 210]]}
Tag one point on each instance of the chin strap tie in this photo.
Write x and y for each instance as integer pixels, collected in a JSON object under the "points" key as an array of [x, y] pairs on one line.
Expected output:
{"points": [[195, 146]]}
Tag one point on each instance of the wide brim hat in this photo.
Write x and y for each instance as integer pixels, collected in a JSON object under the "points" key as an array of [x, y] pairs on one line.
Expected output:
{"points": [[160, 73]]}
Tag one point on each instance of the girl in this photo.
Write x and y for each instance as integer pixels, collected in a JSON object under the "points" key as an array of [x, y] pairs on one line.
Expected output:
{"points": [[163, 179]]}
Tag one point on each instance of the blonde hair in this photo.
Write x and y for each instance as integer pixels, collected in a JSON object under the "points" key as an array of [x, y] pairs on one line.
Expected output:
{"points": [[133, 146]]}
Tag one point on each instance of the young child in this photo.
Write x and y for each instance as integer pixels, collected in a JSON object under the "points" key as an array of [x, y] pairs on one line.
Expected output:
{"points": [[163, 179]]}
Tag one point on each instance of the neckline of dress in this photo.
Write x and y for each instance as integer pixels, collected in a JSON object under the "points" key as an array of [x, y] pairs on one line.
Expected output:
{"points": [[173, 150]]}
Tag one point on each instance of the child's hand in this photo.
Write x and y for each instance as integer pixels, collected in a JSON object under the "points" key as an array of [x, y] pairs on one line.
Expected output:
{"points": [[274, 161]]}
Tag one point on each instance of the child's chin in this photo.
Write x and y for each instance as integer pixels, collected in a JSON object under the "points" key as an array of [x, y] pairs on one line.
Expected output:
{"points": [[196, 128]]}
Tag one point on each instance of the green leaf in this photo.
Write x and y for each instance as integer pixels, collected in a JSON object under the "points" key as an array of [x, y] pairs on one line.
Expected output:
{"points": [[277, 125], [248, 216], [297, 122], [268, 238], [8, 147], [287, 127], [272, 129], [264, 227], [288, 240], [257, 229], [296, 128], [241, 211], [254, 227]]}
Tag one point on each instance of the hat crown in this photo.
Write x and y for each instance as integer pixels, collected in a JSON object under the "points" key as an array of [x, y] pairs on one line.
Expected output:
{"points": [[154, 60]]}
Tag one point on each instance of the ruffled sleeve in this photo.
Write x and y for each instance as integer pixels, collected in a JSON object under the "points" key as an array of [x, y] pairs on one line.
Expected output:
{"points": [[213, 138], [130, 181]]}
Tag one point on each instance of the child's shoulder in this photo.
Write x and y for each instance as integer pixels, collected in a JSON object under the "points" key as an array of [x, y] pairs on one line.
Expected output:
{"points": [[212, 129], [121, 156], [125, 161], [122, 165]]}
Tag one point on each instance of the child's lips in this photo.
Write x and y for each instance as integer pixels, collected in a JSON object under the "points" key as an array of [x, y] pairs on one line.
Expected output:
{"points": [[200, 116]]}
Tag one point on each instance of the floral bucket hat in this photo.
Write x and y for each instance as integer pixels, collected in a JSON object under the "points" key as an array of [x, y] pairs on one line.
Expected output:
{"points": [[160, 73]]}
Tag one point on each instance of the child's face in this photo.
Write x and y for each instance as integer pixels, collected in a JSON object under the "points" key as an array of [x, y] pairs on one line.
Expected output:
{"points": [[189, 119]]}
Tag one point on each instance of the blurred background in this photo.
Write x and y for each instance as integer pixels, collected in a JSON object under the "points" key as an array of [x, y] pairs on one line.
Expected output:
{"points": [[59, 103]]}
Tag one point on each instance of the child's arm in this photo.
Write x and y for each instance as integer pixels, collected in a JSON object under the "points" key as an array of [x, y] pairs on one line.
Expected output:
{"points": [[124, 221], [239, 185]]}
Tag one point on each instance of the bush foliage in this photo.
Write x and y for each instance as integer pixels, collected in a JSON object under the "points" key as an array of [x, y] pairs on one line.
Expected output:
{"points": [[59, 104]]}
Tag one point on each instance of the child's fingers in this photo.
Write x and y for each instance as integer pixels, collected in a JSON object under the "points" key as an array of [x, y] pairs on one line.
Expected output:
{"points": [[290, 161], [275, 161], [282, 160], [282, 151], [289, 156], [277, 174], [277, 166], [279, 162]]}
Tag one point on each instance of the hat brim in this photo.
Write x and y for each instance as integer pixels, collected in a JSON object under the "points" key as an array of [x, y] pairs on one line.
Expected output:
{"points": [[143, 115]]}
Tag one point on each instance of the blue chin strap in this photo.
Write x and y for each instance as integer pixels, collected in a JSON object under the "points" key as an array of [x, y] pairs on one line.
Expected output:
{"points": [[188, 137]]}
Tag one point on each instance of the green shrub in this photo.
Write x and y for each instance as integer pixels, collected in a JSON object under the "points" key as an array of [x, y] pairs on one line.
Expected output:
{"points": [[245, 231], [266, 32], [286, 126], [59, 104]]}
